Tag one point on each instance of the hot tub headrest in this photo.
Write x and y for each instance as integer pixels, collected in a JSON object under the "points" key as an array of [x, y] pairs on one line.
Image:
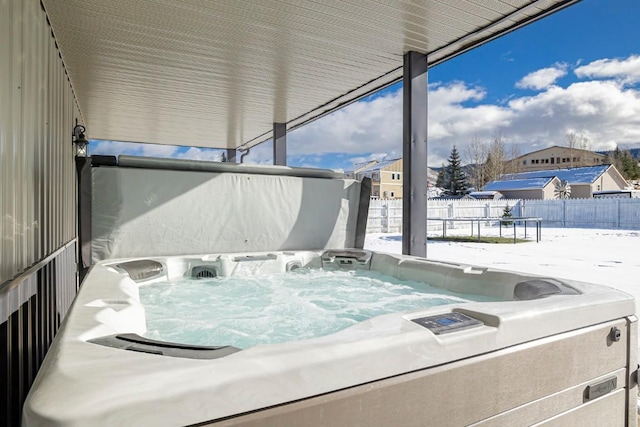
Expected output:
{"points": [[142, 269], [540, 288]]}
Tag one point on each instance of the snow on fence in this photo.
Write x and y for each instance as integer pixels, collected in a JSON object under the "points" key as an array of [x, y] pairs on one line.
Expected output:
{"points": [[385, 216]]}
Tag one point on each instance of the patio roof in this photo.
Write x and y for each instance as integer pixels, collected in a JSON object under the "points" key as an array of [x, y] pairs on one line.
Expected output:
{"points": [[220, 73]]}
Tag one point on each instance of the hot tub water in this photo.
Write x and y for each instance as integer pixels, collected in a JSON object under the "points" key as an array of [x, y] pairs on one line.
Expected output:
{"points": [[244, 311]]}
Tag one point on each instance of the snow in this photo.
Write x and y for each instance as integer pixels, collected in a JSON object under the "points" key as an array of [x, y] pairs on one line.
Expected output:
{"points": [[605, 257], [378, 166], [581, 175], [519, 184]]}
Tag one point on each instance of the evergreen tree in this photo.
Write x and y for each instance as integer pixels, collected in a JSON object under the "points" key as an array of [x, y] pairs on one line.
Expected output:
{"points": [[456, 180], [626, 164], [506, 213], [630, 168]]}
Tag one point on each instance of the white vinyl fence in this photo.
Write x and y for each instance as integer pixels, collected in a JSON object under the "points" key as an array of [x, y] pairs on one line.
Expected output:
{"points": [[385, 216], [586, 213]]}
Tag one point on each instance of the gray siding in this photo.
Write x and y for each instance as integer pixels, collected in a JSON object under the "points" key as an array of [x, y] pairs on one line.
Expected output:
{"points": [[37, 113], [38, 273]]}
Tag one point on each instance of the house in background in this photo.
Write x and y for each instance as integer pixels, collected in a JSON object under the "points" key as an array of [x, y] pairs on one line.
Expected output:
{"points": [[584, 181], [526, 188], [386, 178], [557, 157]]}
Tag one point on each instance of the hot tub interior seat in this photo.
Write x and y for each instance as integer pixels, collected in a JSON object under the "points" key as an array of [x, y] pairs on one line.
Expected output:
{"points": [[147, 271]]}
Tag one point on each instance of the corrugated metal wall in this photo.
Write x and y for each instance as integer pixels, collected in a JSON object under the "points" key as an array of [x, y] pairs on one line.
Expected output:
{"points": [[38, 270], [37, 114], [31, 311]]}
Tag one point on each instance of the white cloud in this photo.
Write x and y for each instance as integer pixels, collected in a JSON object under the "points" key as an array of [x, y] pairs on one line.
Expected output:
{"points": [[365, 126], [624, 70], [542, 79], [195, 153], [259, 155], [115, 148], [370, 158], [607, 112], [157, 150]]}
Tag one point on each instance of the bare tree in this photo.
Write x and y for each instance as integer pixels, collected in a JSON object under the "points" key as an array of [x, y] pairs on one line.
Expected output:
{"points": [[513, 164], [476, 155], [577, 141], [496, 159]]}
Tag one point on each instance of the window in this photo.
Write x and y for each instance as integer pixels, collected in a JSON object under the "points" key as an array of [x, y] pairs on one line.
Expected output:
{"points": [[524, 162], [553, 160], [393, 194], [546, 160]]}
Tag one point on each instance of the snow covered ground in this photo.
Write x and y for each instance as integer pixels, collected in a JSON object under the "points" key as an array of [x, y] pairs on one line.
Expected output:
{"points": [[607, 257]]}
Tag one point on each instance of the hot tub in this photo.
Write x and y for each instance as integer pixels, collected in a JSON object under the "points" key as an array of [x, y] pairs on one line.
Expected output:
{"points": [[535, 350]]}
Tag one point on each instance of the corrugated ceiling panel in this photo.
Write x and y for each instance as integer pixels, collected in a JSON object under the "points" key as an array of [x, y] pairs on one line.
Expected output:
{"points": [[219, 73]]}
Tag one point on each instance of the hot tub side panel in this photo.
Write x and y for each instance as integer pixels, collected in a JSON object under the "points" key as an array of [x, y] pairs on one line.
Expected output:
{"points": [[545, 382]]}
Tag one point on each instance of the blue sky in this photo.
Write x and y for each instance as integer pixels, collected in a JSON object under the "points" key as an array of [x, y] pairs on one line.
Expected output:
{"points": [[575, 71]]}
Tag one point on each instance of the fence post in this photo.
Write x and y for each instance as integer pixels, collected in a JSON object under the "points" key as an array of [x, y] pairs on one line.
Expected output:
{"points": [[564, 213], [384, 217], [487, 210], [619, 225]]}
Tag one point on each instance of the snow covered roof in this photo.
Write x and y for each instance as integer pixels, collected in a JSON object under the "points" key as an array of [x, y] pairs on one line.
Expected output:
{"points": [[583, 175], [484, 193], [519, 184], [378, 166]]}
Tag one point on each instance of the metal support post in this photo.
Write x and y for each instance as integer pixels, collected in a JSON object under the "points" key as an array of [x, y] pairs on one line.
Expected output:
{"points": [[414, 154], [280, 144], [231, 155]]}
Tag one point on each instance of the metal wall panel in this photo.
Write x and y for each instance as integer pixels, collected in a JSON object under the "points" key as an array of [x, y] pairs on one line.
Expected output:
{"points": [[37, 114], [38, 273], [31, 311]]}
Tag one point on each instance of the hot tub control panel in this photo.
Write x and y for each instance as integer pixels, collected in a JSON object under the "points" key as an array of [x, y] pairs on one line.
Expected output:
{"points": [[449, 322]]}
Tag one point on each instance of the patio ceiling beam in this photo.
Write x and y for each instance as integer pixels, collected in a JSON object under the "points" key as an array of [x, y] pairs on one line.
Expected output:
{"points": [[280, 144]]}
